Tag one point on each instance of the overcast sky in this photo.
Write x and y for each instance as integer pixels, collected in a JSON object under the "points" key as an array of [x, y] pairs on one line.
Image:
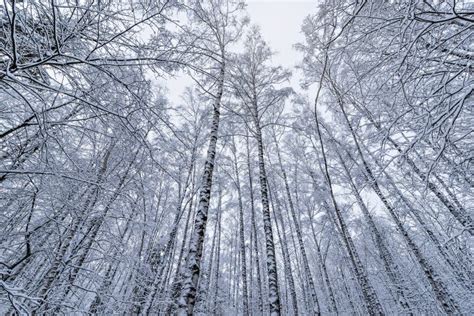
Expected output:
{"points": [[280, 23]]}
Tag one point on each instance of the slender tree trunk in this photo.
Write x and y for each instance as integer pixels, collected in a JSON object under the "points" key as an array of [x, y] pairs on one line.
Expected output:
{"points": [[463, 218], [242, 235], [391, 268], [53, 272], [299, 235], [96, 224], [104, 289], [273, 295], [300, 274], [325, 275], [347, 291], [370, 297], [191, 272], [158, 265], [217, 270], [174, 287], [205, 294], [442, 294], [280, 224], [416, 214], [254, 229]]}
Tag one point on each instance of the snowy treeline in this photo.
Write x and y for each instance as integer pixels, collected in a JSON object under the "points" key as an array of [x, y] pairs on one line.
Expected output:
{"points": [[350, 195]]}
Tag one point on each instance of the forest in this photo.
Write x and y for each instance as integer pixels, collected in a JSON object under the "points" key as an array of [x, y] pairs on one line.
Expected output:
{"points": [[348, 191]]}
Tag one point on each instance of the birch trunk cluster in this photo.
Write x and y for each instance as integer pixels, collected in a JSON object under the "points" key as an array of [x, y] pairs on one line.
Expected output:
{"points": [[343, 186]]}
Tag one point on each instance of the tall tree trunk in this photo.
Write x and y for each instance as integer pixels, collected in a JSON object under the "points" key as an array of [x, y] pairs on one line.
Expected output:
{"points": [[53, 272], [299, 235], [254, 229], [323, 268], [205, 287], [273, 292], [217, 270], [370, 297], [463, 218], [96, 224], [158, 264], [280, 224], [97, 305], [242, 234], [442, 294], [391, 268], [458, 271], [191, 272]]}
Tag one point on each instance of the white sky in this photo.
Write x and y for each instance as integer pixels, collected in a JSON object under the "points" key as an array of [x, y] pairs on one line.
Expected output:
{"points": [[280, 22]]}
